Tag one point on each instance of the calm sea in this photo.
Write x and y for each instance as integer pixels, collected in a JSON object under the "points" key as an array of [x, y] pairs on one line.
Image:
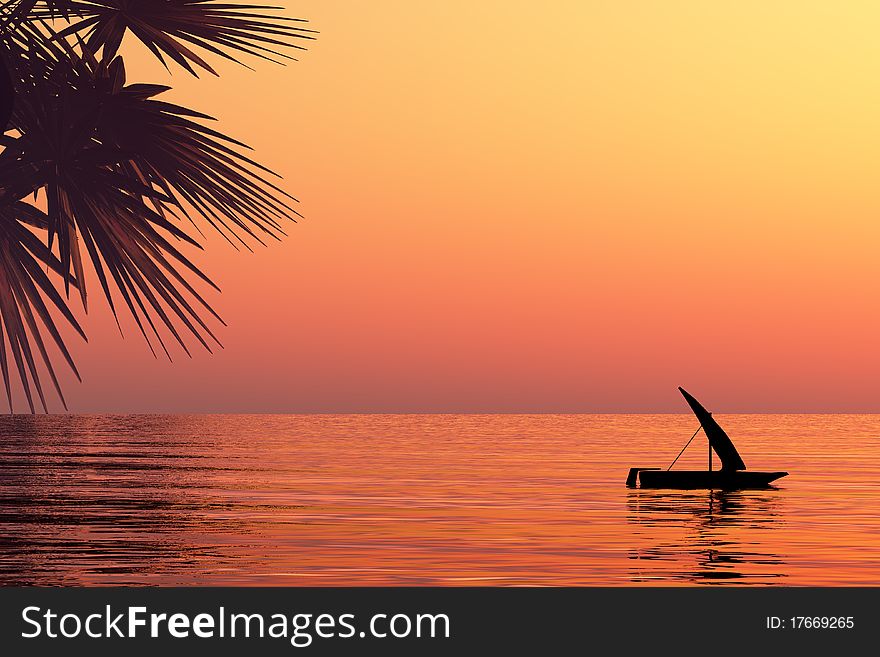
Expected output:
{"points": [[429, 500]]}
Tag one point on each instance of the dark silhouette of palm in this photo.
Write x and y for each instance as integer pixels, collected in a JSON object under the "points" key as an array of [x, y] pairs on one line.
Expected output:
{"points": [[116, 170], [6, 91]]}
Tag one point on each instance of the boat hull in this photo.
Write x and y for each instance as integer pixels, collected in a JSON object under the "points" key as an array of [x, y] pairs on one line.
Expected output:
{"points": [[715, 479]]}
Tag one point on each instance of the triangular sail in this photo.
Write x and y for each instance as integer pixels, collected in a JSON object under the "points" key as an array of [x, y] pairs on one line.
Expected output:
{"points": [[720, 442]]}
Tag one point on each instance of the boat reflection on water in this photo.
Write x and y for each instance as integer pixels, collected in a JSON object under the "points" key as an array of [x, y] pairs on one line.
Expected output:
{"points": [[705, 536], [412, 500]]}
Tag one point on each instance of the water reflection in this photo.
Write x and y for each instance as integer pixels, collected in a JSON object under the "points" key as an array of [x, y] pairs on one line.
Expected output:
{"points": [[705, 536], [76, 507], [421, 500]]}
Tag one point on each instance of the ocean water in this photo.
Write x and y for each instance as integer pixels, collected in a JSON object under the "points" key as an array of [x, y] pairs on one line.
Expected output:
{"points": [[442, 500]]}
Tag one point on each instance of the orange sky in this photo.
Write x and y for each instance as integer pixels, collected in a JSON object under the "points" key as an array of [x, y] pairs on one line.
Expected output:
{"points": [[523, 206]]}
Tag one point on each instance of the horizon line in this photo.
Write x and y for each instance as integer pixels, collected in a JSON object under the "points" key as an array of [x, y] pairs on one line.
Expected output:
{"points": [[424, 413]]}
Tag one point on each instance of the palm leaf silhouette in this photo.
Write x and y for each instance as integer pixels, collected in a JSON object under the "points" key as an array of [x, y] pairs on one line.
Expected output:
{"points": [[167, 26], [116, 169], [23, 261]]}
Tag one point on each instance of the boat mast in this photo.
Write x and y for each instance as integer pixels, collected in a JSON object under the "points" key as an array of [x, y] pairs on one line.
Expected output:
{"points": [[710, 456]]}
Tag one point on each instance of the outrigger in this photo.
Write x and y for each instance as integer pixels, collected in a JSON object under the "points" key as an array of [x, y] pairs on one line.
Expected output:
{"points": [[732, 475]]}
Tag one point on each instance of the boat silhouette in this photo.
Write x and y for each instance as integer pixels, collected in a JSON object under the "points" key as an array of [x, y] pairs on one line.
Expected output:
{"points": [[732, 475]]}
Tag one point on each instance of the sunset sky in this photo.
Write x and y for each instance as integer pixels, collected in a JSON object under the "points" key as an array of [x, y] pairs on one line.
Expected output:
{"points": [[571, 206]]}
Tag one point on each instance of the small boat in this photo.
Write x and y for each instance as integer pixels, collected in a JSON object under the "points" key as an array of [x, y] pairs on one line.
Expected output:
{"points": [[732, 475]]}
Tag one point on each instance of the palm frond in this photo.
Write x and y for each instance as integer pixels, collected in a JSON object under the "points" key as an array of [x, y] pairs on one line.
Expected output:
{"points": [[174, 151], [92, 202], [118, 169], [7, 92], [24, 289], [13, 12], [171, 28]]}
